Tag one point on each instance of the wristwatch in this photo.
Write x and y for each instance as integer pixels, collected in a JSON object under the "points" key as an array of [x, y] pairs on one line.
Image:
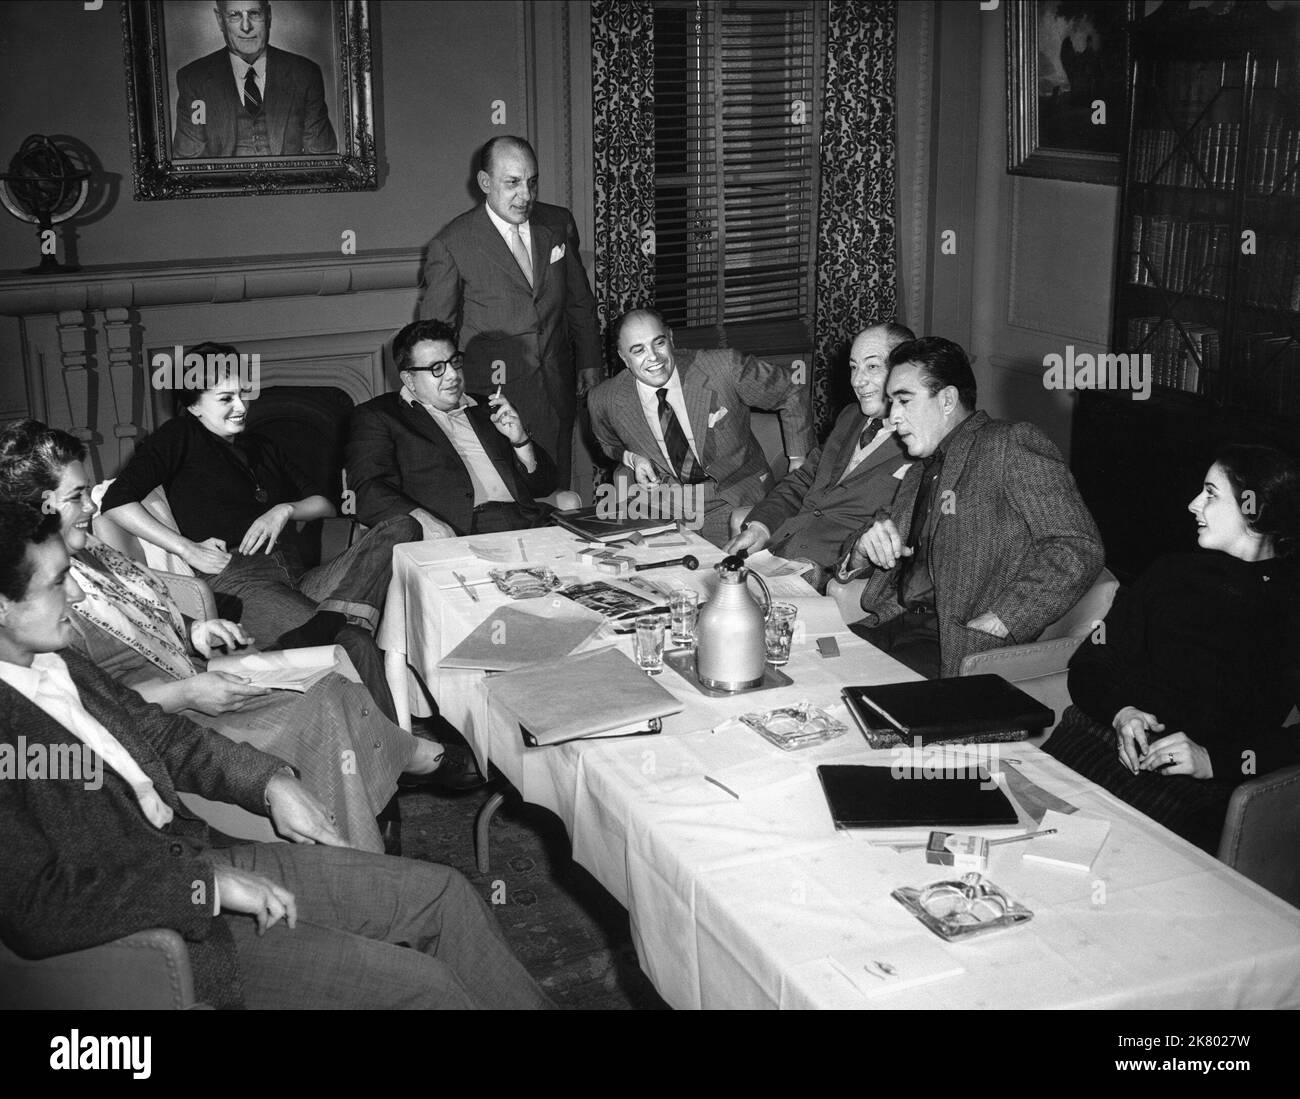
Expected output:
{"points": [[527, 439]]}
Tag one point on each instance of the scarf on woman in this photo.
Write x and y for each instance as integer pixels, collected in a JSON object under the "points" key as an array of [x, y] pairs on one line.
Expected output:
{"points": [[130, 603]]}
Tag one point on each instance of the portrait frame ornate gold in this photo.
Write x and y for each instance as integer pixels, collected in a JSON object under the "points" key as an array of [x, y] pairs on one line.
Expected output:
{"points": [[159, 36]]}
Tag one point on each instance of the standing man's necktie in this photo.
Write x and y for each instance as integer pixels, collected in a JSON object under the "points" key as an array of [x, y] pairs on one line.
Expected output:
{"points": [[522, 257], [674, 437], [252, 97], [869, 433]]}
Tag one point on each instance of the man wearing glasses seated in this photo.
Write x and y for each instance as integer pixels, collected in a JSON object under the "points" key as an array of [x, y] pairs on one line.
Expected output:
{"points": [[458, 464]]}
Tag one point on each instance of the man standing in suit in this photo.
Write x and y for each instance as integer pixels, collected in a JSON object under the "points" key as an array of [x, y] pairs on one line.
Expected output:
{"points": [[266, 925], [509, 277], [456, 463], [987, 542], [682, 417], [250, 99], [839, 488]]}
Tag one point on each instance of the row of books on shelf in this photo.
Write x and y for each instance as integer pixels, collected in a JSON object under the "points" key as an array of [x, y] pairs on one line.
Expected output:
{"points": [[1272, 278], [1272, 164], [1266, 374], [1179, 255], [1207, 159], [1181, 354]]}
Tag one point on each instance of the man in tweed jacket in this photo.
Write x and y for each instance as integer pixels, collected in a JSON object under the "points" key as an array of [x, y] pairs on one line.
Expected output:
{"points": [[710, 394], [269, 925], [1005, 545]]}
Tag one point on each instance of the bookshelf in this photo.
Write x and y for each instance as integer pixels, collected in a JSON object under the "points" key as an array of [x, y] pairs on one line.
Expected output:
{"points": [[1207, 279]]}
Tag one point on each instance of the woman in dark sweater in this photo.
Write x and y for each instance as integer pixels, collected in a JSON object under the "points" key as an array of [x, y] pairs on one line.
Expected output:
{"points": [[1182, 694], [235, 498]]}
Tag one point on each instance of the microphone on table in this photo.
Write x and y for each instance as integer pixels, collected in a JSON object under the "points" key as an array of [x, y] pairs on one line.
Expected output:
{"points": [[690, 561]]}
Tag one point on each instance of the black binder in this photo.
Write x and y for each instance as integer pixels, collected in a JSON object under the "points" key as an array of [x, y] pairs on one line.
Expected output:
{"points": [[959, 709], [884, 797]]}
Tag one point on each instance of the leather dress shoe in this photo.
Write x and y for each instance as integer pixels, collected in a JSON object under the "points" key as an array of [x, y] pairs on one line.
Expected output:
{"points": [[457, 772]]}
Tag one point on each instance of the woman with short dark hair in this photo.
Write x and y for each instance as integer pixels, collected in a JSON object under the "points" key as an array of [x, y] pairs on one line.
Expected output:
{"points": [[1182, 693]]}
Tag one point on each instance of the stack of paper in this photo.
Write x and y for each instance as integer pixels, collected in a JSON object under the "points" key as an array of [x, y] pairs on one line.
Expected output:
{"points": [[510, 638], [1076, 845], [585, 695], [286, 670]]}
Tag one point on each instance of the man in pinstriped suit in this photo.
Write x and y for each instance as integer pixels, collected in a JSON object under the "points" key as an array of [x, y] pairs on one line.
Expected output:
{"points": [[682, 418]]}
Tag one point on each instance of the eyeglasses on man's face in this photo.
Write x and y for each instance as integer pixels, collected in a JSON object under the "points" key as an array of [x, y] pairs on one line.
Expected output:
{"points": [[438, 369]]}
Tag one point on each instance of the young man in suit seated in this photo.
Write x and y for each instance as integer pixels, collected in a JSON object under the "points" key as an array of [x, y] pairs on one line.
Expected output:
{"points": [[681, 419], [100, 846], [987, 542], [840, 487], [458, 464]]}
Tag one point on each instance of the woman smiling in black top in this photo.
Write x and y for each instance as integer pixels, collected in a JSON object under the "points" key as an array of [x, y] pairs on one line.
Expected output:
{"points": [[234, 497], [1183, 694]]}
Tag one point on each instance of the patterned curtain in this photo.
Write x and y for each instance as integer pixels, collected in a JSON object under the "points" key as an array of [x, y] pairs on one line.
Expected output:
{"points": [[855, 217], [623, 63]]}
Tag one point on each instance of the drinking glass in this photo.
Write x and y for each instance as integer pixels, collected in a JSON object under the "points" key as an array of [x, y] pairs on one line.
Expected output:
{"points": [[778, 632], [684, 606], [650, 642]]}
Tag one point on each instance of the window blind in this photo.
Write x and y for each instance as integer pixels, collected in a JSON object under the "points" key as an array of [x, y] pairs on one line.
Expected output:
{"points": [[735, 171]]}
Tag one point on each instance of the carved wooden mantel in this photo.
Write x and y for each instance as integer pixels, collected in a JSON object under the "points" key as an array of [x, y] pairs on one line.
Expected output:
{"points": [[88, 337]]}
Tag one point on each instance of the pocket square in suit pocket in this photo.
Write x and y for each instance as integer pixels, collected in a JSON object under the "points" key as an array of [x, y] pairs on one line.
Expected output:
{"points": [[714, 417], [557, 253], [901, 471]]}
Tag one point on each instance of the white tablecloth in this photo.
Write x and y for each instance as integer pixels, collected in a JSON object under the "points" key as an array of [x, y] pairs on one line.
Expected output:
{"points": [[760, 902]]}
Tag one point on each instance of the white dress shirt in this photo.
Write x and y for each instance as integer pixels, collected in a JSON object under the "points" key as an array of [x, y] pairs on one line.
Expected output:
{"points": [[240, 68], [649, 395], [48, 685], [488, 485], [504, 228]]}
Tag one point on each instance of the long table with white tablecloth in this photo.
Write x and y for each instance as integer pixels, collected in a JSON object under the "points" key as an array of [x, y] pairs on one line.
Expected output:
{"points": [[758, 901]]}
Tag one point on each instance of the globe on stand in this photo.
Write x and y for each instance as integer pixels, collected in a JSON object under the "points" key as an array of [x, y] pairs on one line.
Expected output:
{"points": [[44, 187]]}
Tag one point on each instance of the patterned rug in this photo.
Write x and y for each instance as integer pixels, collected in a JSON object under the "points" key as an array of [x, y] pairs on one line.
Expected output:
{"points": [[567, 930]]}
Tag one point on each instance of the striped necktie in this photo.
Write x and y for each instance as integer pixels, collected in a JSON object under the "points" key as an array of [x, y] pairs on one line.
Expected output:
{"points": [[869, 433], [252, 97], [674, 437]]}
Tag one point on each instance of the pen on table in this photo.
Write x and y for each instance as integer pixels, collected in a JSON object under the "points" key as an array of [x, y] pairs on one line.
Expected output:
{"points": [[523, 553], [468, 590], [1026, 836], [725, 789]]}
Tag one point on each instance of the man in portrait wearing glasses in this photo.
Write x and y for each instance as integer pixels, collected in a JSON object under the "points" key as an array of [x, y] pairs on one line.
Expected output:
{"points": [[248, 98], [456, 463]]}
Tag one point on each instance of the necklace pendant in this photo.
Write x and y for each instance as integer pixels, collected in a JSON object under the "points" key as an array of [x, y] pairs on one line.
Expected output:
{"points": [[260, 496]]}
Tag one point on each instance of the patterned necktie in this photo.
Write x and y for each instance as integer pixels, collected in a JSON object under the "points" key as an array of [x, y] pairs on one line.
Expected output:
{"points": [[869, 433], [522, 257], [674, 437], [252, 97]]}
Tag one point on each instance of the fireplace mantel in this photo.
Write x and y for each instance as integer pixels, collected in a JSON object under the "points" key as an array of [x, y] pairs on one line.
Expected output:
{"points": [[319, 319]]}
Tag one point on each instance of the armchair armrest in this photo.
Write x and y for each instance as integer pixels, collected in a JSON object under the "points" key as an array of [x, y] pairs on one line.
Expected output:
{"points": [[848, 597], [1261, 830], [191, 594], [147, 970]]}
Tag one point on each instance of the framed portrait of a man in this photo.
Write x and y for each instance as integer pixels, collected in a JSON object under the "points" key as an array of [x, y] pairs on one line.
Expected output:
{"points": [[1067, 73], [249, 96]]}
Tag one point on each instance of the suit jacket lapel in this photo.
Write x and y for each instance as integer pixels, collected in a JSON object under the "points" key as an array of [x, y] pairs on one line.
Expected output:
{"points": [[697, 394], [492, 245], [640, 436], [543, 242], [229, 103], [276, 100], [954, 462]]}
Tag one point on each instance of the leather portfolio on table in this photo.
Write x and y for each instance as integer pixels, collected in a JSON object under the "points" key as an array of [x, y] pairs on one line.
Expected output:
{"points": [[962, 709], [877, 797], [594, 693]]}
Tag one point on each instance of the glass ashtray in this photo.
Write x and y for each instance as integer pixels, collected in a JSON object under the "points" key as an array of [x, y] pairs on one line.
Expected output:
{"points": [[959, 909], [525, 583], [790, 728]]}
